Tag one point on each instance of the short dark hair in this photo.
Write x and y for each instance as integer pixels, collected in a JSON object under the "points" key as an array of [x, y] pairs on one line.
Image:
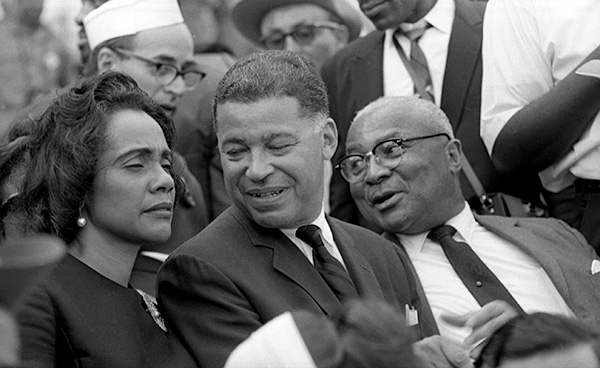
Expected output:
{"points": [[273, 74], [535, 333], [65, 144]]}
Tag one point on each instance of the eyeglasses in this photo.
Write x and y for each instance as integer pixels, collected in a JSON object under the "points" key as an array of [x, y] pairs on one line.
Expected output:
{"points": [[387, 154], [303, 34], [167, 73]]}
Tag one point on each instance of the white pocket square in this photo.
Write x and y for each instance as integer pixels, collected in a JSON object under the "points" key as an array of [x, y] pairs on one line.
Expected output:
{"points": [[595, 266]]}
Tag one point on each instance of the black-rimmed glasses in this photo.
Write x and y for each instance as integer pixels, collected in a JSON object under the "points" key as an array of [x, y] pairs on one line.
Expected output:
{"points": [[166, 73], [387, 153], [303, 34]]}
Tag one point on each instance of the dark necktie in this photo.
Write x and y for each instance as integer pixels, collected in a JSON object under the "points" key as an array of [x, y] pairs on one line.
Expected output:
{"points": [[477, 277], [416, 65], [330, 269]]}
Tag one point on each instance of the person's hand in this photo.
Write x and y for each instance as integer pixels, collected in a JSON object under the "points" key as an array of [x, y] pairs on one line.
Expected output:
{"points": [[483, 322], [440, 352]]}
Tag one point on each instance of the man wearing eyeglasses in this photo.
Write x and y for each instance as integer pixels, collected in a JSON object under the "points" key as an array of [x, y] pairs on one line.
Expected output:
{"points": [[317, 29], [403, 164], [419, 45]]}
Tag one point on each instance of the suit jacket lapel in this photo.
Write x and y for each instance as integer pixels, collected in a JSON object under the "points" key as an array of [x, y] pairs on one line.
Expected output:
{"points": [[289, 260], [427, 323], [461, 61], [360, 270], [366, 71], [510, 229]]}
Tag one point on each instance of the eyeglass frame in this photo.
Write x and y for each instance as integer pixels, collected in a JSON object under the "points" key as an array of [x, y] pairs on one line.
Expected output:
{"points": [[160, 64], [312, 27], [398, 141]]}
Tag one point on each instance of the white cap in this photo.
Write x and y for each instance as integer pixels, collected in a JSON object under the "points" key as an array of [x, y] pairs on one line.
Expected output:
{"points": [[117, 18]]}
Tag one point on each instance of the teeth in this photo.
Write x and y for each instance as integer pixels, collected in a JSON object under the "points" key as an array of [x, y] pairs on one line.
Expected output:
{"points": [[267, 194]]}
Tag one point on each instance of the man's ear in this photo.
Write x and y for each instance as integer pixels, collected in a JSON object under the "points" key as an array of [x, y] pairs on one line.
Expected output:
{"points": [[330, 139], [342, 34], [107, 59], [454, 152]]}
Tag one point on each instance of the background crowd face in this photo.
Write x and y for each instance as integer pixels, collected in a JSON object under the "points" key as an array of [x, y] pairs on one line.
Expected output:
{"points": [[409, 198], [170, 45], [272, 160], [286, 19], [131, 180]]}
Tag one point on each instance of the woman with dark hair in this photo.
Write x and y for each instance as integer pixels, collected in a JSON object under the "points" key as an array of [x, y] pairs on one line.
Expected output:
{"points": [[99, 177]]}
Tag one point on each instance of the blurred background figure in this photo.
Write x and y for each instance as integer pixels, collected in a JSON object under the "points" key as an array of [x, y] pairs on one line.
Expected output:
{"points": [[33, 60], [363, 333], [539, 115], [541, 340], [196, 139], [24, 263], [315, 29], [100, 178]]}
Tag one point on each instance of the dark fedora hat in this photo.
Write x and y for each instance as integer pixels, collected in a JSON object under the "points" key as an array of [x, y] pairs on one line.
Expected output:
{"points": [[248, 14]]}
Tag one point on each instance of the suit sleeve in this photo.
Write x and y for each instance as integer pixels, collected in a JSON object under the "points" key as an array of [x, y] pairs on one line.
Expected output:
{"points": [[38, 330], [204, 309]]}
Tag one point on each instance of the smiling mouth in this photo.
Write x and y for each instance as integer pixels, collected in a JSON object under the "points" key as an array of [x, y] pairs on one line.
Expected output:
{"points": [[265, 194]]}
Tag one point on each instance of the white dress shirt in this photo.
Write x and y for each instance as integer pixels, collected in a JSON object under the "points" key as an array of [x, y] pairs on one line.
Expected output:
{"points": [[521, 274], [529, 46], [434, 43], [326, 235]]}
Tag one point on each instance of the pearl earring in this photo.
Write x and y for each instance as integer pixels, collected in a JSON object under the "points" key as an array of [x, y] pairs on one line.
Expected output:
{"points": [[81, 222]]}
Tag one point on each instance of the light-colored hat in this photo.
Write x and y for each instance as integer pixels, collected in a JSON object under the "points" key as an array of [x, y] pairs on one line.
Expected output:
{"points": [[247, 15], [292, 339], [117, 18]]}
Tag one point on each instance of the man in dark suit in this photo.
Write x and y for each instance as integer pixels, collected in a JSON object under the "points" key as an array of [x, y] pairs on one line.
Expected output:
{"points": [[411, 187], [372, 67], [249, 265]]}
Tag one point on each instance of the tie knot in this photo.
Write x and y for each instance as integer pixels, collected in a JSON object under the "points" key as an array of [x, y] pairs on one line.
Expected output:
{"points": [[413, 31], [311, 235], [440, 232]]}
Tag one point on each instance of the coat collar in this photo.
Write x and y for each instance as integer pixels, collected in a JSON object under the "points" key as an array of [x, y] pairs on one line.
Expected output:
{"points": [[289, 260]]}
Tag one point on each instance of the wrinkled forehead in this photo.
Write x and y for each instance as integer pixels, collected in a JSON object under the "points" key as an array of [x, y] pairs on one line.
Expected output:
{"points": [[171, 42], [386, 122]]}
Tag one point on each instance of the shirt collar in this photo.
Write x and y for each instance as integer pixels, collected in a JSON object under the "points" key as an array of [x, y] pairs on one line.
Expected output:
{"points": [[464, 223], [321, 222], [440, 17]]}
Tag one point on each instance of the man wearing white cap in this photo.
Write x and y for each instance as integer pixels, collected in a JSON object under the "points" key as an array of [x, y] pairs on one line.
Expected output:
{"points": [[317, 29], [148, 40]]}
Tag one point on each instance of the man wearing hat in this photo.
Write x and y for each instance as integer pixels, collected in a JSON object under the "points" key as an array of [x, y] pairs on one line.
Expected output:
{"points": [[317, 29]]}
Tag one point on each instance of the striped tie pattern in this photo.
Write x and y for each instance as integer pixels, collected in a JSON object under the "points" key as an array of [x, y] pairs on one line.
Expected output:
{"points": [[330, 269]]}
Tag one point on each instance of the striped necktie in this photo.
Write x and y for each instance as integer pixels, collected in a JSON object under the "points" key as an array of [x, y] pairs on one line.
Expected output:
{"points": [[330, 269], [417, 63]]}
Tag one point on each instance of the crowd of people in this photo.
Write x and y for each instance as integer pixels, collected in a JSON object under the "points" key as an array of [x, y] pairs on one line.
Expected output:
{"points": [[307, 204]]}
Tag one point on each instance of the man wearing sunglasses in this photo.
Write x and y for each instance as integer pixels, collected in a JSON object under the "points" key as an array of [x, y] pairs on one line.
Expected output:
{"points": [[317, 29], [403, 165]]}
